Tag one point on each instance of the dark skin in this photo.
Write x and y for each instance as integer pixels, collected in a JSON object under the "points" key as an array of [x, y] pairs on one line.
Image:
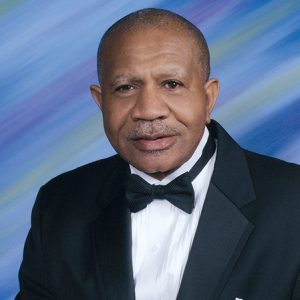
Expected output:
{"points": [[154, 98]]}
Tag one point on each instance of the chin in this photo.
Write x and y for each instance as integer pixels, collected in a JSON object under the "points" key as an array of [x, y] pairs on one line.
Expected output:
{"points": [[154, 162], [155, 168]]}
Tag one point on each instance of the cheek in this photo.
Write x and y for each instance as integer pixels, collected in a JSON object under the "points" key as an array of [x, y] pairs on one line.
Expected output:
{"points": [[192, 116], [115, 120]]}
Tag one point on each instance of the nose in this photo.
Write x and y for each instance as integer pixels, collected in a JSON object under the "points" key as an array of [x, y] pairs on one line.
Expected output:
{"points": [[150, 105]]}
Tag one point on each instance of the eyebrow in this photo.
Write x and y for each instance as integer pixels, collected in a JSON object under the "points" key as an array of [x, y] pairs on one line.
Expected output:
{"points": [[119, 79]]}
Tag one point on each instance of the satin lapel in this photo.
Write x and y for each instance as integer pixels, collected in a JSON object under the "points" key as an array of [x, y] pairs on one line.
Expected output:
{"points": [[222, 230], [220, 237]]}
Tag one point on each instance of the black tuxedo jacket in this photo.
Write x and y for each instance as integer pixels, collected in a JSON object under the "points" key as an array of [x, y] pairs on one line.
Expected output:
{"points": [[247, 244]]}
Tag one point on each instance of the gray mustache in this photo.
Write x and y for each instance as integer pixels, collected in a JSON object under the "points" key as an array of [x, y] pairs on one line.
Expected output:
{"points": [[155, 127]]}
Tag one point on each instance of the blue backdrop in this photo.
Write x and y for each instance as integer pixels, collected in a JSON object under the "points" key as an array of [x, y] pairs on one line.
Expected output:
{"points": [[49, 124]]}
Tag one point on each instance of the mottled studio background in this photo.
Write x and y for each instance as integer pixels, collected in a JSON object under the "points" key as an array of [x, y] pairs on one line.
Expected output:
{"points": [[49, 124]]}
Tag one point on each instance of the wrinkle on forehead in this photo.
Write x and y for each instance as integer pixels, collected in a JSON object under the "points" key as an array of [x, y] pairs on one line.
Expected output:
{"points": [[166, 72]]}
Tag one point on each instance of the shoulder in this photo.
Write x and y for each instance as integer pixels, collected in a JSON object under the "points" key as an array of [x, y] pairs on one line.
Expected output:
{"points": [[277, 187], [95, 171], [268, 170], [83, 184]]}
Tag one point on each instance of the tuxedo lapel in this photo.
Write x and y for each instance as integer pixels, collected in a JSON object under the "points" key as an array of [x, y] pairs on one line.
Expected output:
{"points": [[220, 237], [222, 230], [111, 233]]}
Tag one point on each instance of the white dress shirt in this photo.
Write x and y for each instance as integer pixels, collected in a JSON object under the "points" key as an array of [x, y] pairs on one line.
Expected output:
{"points": [[162, 234]]}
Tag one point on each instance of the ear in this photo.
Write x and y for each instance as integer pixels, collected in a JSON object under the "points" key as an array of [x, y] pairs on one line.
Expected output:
{"points": [[212, 92], [96, 94]]}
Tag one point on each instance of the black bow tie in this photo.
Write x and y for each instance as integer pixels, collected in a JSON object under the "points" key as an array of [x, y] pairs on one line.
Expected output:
{"points": [[179, 192]]}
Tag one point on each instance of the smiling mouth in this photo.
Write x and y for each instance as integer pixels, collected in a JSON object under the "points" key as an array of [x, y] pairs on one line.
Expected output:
{"points": [[154, 143]]}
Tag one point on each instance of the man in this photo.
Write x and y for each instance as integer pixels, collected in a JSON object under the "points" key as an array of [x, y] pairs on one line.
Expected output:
{"points": [[182, 212]]}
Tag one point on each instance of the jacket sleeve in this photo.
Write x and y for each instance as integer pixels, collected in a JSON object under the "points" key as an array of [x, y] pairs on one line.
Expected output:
{"points": [[33, 277]]}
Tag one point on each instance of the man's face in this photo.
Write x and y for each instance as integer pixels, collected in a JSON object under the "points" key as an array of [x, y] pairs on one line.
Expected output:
{"points": [[154, 98]]}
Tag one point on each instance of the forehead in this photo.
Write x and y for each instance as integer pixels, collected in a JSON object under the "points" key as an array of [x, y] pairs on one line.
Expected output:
{"points": [[152, 47]]}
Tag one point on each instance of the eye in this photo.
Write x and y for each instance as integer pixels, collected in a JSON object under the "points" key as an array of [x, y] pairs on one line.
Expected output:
{"points": [[172, 84], [124, 88]]}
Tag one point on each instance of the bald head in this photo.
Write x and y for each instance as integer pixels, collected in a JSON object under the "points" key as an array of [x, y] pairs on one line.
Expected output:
{"points": [[152, 18]]}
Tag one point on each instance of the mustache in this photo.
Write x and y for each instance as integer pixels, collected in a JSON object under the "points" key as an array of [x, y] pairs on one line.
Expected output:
{"points": [[156, 128]]}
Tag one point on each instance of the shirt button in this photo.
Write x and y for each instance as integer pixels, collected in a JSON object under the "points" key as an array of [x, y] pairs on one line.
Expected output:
{"points": [[154, 248]]}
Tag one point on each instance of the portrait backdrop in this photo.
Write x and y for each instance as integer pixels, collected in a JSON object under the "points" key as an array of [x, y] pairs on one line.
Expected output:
{"points": [[49, 123]]}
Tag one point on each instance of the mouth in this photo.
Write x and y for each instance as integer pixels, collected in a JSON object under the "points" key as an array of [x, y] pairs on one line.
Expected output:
{"points": [[149, 143]]}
